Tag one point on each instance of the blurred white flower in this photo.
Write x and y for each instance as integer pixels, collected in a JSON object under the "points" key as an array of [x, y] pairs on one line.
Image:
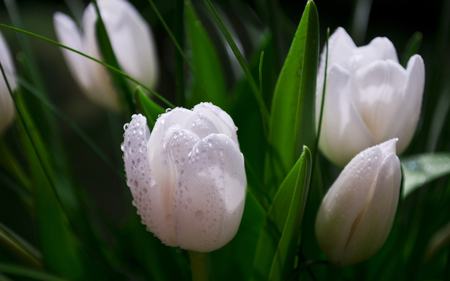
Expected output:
{"points": [[187, 177], [356, 214], [131, 39], [6, 102], [370, 97]]}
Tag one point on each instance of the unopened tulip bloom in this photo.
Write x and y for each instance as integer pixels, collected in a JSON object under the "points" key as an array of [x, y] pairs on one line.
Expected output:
{"points": [[370, 98], [6, 102], [132, 42], [356, 214], [187, 176]]}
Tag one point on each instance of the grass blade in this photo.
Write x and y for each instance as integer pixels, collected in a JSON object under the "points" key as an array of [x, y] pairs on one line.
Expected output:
{"points": [[237, 53], [91, 58]]}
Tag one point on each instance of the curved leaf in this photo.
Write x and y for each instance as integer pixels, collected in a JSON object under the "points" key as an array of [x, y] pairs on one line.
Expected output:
{"points": [[275, 254], [421, 169]]}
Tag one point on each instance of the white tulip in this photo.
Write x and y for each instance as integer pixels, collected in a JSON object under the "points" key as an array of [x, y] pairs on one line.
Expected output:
{"points": [[187, 177], [356, 214], [132, 42], [6, 102], [370, 98]]}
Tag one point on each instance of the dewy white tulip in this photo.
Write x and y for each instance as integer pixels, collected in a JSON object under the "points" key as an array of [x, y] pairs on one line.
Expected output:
{"points": [[370, 97], [356, 214], [131, 39], [187, 177], [6, 102]]}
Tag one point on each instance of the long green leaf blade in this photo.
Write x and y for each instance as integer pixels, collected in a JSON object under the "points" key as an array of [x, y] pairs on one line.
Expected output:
{"points": [[421, 169], [58, 244], [278, 239], [209, 84], [26, 272], [292, 123]]}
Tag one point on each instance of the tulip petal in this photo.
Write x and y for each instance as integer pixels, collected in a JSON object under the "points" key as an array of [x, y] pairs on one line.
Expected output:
{"points": [[408, 113], [341, 47], [345, 200], [147, 194], [376, 220], [159, 141], [69, 35], [6, 102], [210, 195], [379, 48], [378, 96], [159, 152], [131, 39], [218, 117], [99, 86], [343, 133]]}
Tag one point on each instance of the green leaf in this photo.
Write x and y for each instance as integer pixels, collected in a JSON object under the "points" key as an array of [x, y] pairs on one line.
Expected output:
{"points": [[411, 48], [147, 107], [419, 170], [57, 243], [278, 240], [26, 272], [209, 84], [292, 123]]}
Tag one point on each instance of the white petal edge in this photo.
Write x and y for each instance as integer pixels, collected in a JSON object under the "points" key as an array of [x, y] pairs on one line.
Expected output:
{"points": [[69, 35], [408, 114], [99, 88], [146, 192], [131, 39], [6, 102], [380, 48], [341, 47], [210, 201], [223, 122], [343, 132]]}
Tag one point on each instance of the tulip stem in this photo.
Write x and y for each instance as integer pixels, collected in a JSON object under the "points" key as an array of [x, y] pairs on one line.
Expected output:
{"points": [[199, 266]]}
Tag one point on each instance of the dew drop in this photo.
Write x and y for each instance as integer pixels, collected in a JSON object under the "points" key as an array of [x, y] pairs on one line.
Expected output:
{"points": [[199, 215]]}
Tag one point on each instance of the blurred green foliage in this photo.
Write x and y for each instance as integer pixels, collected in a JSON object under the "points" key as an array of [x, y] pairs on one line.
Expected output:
{"points": [[66, 213]]}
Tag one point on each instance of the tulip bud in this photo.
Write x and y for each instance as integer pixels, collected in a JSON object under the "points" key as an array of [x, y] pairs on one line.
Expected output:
{"points": [[187, 177], [356, 214], [6, 102], [132, 42], [370, 98]]}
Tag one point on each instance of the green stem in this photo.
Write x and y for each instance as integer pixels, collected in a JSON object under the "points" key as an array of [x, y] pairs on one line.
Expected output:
{"points": [[199, 266]]}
